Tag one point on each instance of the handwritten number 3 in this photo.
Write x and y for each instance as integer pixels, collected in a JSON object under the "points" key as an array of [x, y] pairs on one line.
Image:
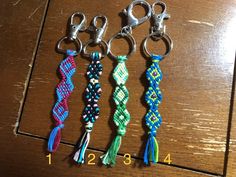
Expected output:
{"points": [[127, 160]]}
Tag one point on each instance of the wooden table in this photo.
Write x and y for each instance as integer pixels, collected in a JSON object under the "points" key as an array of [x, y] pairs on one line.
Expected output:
{"points": [[198, 110]]}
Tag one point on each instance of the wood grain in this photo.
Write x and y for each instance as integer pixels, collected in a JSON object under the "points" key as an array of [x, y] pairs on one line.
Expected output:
{"points": [[19, 29], [24, 156], [196, 85], [30, 160]]}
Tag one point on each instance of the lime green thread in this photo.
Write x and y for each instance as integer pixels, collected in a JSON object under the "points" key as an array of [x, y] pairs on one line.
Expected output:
{"points": [[121, 117]]}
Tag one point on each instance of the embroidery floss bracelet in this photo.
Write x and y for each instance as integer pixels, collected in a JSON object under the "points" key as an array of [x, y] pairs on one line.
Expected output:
{"points": [[91, 111], [153, 118], [153, 95], [63, 90], [65, 87], [93, 90], [121, 117]]}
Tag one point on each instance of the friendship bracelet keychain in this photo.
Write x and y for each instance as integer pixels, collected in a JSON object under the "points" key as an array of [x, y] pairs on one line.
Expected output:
{"points": [[93, 90], [120, 74], [65, 87], [154, 76]]}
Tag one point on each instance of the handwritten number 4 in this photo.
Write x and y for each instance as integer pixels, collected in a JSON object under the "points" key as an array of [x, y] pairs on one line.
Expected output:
{"points": [[168, 159], [127, 160]]}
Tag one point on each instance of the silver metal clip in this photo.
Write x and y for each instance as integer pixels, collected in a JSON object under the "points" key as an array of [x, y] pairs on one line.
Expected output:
{"points": [[97, 36], [158, 19], [72, 36], [74, 29], [132, 20], [98, 32]]}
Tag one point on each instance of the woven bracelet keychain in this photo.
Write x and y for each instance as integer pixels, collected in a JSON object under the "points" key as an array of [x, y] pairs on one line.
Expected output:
{"points": [[120, 74], [65, 87], [93, 90], [153, 95]]}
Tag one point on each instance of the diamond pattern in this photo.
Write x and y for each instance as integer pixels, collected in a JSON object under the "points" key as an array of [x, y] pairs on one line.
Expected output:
{"points": [[153, 119], [121, 95], [120, 73], [122, 116], [153, 96], [154, 74]]}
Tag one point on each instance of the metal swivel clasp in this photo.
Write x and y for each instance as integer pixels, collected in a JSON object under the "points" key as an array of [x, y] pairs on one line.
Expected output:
{"points": [[132, 21], [72, 35], [98, 32], [76, 28], [158, 19]]}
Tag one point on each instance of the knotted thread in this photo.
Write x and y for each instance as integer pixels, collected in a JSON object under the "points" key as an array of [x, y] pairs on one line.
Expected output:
{"points": [[91, 111], [121, 117], [153, 118], [64, 89]]}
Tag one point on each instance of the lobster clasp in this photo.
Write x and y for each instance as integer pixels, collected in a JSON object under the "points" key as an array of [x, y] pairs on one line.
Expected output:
{"points": [[98, 32], [74, 29], [158, 19], [132, 20]]}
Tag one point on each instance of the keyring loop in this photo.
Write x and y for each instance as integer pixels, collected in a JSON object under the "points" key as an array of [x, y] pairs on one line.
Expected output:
{"points": [[102, 44], [76, 41], [167, 40], [126, 36]]}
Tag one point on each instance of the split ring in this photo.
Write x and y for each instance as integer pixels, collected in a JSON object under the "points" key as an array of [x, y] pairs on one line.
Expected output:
{"points": [[126, 36], [76, 41], [102, 44], [167, 40]]}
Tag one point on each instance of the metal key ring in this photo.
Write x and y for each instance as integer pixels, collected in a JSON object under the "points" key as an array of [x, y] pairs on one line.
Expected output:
{"points": [[76, 41], [74, 29], [101, 44], [167, 40], [126, 36]]}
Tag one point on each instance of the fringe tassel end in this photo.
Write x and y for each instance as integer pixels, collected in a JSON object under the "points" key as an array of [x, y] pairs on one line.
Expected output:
{"points": [[80, 153], [110, 157], [152, 150]]}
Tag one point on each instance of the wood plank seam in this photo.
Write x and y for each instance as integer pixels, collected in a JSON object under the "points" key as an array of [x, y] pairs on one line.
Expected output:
{"points": [[17, 132], [27, 81], [231, 109], [121, 155]]}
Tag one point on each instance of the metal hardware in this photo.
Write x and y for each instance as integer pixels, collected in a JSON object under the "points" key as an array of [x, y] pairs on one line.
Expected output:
{"points": [[130, 39], [158, 32], [132, 20], [74, 29], [167, 40], [97, 35], [158, 19], [98, 32]]}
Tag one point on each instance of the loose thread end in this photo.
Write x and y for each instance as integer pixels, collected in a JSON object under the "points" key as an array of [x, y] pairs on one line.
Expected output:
{"points": [[55, 138], [151, 153], [80, 153], [110, 157]]}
